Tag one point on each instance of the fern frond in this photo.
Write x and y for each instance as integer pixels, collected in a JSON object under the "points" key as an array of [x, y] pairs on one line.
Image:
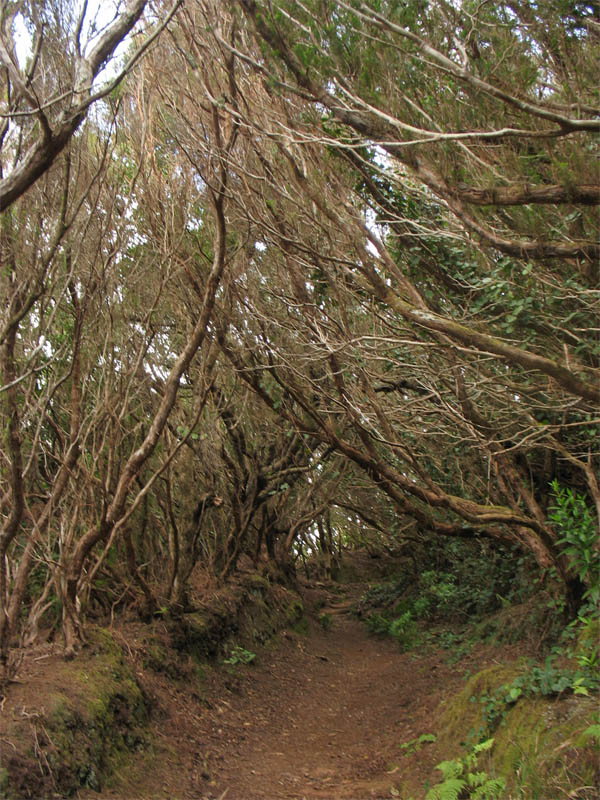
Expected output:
{"points": [[450, 789], [492, 789], [482, 746], [477, 778], [450, 769]]}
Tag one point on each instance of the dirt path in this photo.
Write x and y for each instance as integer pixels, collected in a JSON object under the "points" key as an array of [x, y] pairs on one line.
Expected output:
{"points": [[321, 728], [318, 716]]}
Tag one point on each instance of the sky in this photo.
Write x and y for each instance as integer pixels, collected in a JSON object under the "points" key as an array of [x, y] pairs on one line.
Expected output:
{"points": [[99, 13]]}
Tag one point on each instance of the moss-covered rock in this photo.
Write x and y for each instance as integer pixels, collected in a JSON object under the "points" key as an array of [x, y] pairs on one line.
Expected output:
{"points": [[266, 609], [246, 613], [258, 583], [257, 620], [200, 635], [538, 742], [294, 611], [462, 721]]}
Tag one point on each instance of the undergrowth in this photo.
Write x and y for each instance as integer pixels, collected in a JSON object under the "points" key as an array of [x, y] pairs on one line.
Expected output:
{"points": [[570, 669], [464, 581], [505, 598], [464, 780], [239, 655], [456, 580]]}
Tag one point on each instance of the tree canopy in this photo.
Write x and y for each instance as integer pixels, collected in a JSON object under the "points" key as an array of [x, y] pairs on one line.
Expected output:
{"points": [[291, 276]]}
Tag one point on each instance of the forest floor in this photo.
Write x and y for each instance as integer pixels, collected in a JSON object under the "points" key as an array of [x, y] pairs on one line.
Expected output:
{"points": [[318, 714]]}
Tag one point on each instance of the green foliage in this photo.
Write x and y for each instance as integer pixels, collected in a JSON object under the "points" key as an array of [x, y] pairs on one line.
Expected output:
{"points": [[578, 536], [439, 591], [378, 624], [506, 290], [592, 732], [459, 644], [404, 630], [476, 578], [544, 680], [585, 652], [449, 640], [383, 595], [414, 745], [462, 780], [239, 655], [325, 621]]}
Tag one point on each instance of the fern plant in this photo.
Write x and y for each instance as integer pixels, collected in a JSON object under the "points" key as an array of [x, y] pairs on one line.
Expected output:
{"points": [[463, 781], [404, 630]]}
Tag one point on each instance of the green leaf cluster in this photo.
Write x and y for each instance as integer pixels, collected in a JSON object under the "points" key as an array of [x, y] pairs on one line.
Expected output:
{"points": [[239, 655], [578, 537], [544, 680], [463, 781]]}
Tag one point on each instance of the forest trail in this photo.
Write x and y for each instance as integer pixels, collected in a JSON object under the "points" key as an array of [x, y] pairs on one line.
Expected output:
{"points": [[320, 715]]}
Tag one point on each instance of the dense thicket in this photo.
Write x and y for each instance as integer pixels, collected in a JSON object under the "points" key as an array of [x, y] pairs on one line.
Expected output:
{"points": [[310, 274]]}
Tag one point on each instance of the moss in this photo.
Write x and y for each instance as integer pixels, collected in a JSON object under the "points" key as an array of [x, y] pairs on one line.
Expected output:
{"points": [[534, 724], [296, 619], [294, 611], [538, 742], [244, 614], [520, 622], [259, 583], [86, 728], [200, 635], [257, 620], [162, 660], [58, 708], [462, 718]]}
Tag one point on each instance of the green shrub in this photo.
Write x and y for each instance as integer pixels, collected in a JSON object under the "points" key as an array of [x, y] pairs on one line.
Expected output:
{"points": [[405, 631], [578, 536], [378, 624]]}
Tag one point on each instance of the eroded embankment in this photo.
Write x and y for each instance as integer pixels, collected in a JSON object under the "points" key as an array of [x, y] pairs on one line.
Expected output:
{"points": [[323, 711], [67, 726], [336, 713]]}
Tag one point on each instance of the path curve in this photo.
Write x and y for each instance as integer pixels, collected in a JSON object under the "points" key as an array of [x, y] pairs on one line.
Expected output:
{"points": [[322, 716], [316, 715]]}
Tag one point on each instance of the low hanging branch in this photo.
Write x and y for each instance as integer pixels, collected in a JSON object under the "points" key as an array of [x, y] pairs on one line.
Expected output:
{"points": [[521, 195]]}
